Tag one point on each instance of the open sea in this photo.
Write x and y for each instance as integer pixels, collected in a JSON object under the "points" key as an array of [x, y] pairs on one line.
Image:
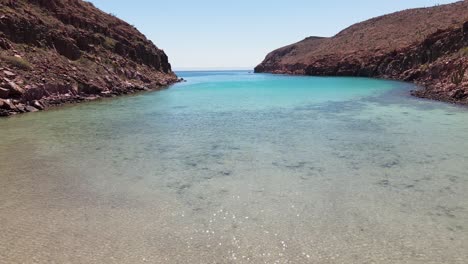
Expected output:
{"points": [[235, 167]]}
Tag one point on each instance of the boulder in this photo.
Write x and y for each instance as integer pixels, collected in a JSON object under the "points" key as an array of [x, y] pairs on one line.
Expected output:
{"points": [[9, 74], [30, 108], [458, 94], [7, 104], [37, 104], [57, 89], [143, 78], [90, 88], [33, 92], [4, 112], [4, 93], [15, 90], [5, 44], [21, 108], [67, 47]]}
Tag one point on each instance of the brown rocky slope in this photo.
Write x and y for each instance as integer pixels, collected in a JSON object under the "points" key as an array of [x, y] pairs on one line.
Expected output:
{"points": [[428, 46], [60, 51]]}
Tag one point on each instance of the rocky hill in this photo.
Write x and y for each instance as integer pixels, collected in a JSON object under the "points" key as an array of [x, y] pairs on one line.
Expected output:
{"points": [[59, 51], [428, 46]]}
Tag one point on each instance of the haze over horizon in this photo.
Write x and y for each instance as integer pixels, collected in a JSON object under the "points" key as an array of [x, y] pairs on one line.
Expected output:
{"points": [[211, 34]]}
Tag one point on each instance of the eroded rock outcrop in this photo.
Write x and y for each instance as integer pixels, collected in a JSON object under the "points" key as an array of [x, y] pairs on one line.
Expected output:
{"points": [[428, 46], [60, 51]]}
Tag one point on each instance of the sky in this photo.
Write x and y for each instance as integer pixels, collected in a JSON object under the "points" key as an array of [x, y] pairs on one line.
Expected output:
{"points": [[231, 34]]}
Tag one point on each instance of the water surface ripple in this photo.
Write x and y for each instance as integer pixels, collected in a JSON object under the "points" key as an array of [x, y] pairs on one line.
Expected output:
{"points": [[232, 167]]}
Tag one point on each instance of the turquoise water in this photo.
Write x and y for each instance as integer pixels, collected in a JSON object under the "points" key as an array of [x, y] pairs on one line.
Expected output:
{"points": [[232, 167]]}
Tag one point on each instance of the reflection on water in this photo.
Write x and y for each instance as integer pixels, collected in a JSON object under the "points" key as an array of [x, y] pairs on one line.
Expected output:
{"points": [[233, 167]]}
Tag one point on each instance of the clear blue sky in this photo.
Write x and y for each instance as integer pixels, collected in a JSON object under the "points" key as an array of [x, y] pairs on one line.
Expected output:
{"points": [[239, 33]]}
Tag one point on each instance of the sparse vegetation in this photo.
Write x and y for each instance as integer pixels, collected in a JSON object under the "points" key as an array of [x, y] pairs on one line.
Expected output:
{"points": [[84, 62], [16, 62], [420, 35], [424, 67], [463, 52], [109, 43], [459, 74]]}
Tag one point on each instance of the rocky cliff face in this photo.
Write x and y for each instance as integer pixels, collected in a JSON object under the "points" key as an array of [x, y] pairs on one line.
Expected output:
{"points": [[428, 46], [58, 51]]}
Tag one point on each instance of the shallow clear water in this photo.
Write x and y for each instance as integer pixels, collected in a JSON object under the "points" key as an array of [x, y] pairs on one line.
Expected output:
{"points": [[232, 167]]}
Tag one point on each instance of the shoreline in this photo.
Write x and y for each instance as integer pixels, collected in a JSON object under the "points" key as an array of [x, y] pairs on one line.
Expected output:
{"points": [[423, 91], [11, 108], [55, 102]]}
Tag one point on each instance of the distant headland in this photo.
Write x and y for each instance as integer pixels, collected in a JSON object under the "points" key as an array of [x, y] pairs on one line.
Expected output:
{"points": [[427, 46]]}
